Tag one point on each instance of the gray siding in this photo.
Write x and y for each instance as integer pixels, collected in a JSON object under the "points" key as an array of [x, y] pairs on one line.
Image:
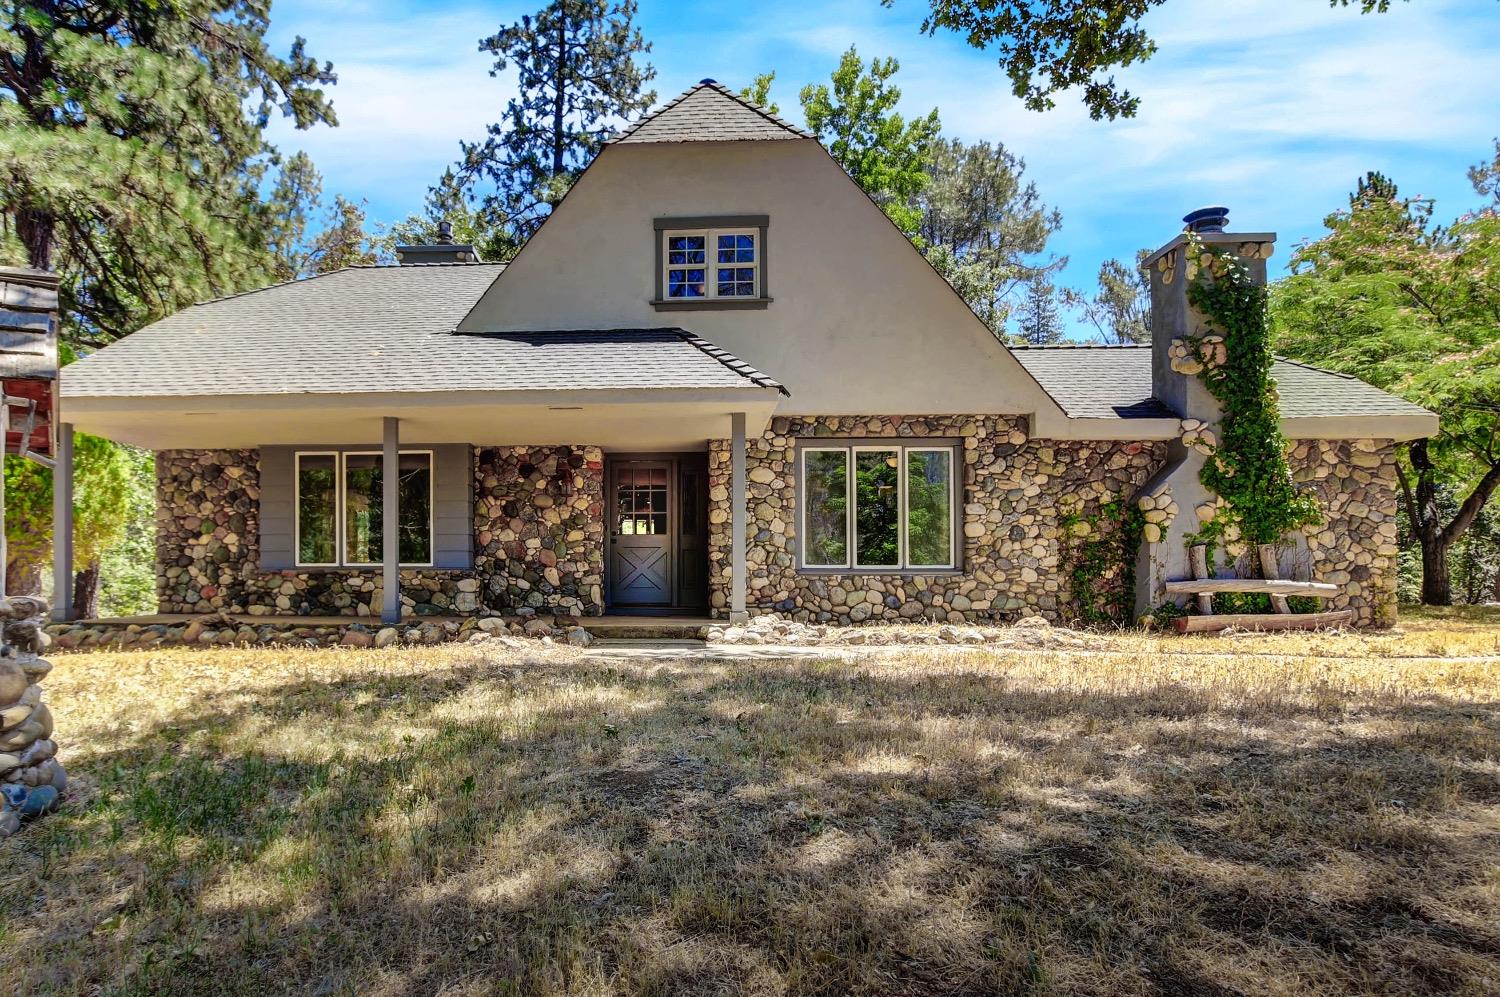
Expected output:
{"points": [[453, 498]]}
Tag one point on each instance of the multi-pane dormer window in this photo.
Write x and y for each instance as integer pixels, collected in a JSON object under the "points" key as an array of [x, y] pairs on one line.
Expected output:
{"points": [[713, 263]]}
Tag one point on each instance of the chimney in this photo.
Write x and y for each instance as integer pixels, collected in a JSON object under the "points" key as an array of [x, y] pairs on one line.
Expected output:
{"points": [[445, 250], [1172, 318]]}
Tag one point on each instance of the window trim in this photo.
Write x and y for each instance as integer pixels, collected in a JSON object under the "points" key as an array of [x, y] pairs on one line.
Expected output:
{"points": [[711, 226], [802, 530], [338, 507], [711, 237], [340, 543], [852, 445]]}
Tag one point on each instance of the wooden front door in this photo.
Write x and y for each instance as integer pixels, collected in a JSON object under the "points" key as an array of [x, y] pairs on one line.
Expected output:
{"points": [[643, 532]]}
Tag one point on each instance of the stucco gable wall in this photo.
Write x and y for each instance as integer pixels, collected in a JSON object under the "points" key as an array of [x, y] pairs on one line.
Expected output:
{"points": [[860, 323]]}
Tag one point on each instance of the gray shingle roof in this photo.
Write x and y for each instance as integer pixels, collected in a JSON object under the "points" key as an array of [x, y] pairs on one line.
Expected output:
{"points": [[709, 112], [1114, 382], [387, 329]]}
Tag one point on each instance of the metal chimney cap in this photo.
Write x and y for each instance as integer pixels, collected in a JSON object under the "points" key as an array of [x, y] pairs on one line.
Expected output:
{"points": [[1211, 219], [445, 232], [709, 80]]}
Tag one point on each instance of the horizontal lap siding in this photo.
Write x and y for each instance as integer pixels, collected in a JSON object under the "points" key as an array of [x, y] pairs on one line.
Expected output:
{"points": [[453, 492]]}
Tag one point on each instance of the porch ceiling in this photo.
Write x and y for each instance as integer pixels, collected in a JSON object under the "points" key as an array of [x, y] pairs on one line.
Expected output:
{"points": [[656, 419]]}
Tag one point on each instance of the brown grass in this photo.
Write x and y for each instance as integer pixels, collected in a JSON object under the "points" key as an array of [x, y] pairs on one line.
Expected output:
{"points": [[923, 821]]}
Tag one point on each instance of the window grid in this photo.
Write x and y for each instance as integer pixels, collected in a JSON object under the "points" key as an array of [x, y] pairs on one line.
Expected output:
{"points": [[341, 514], [851, 560], [711, 263]]}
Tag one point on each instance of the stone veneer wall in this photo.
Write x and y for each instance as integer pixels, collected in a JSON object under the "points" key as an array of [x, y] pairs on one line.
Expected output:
{"points": [[539, 542], [1355, 546], [539, 528], [1016, 492]]}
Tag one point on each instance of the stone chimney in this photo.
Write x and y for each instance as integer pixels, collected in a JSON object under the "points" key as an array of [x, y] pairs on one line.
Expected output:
{"points": [[1172, 318], [445, 250]]}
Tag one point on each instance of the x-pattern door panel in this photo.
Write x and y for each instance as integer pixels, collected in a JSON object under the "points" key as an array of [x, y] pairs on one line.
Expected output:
{"points": [[641, 533]]}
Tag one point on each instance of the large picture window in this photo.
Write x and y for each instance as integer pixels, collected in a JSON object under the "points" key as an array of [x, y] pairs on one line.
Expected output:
{"points": [[877, 506], [340, 509]]}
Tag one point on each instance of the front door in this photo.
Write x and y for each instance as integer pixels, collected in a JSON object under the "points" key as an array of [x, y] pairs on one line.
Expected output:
{"points": [[642, 532]]}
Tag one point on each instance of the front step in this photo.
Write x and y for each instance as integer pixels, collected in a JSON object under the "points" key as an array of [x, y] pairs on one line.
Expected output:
{"points": [[646, 628]]}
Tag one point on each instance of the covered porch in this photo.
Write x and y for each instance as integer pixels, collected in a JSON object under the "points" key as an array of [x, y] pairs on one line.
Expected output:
{"points": [[468, 520]]}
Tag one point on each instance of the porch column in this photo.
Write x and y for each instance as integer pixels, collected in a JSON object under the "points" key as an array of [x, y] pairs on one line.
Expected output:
{"points": [[390, 521], [738, 502], [62, 524]]}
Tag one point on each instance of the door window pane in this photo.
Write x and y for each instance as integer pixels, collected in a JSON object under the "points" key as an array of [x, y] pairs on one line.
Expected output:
{"points": [[641, 501], [317, 497], [415, 488], [877, 508], [362, 507], [929, 507], [825, 505]]}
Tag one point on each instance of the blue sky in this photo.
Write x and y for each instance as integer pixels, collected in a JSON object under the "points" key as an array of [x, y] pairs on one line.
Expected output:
{"points": [[1272, 107]]}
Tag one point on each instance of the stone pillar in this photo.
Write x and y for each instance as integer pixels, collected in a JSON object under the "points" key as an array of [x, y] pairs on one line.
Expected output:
{"points": [[31, 778], [739, 501], [62, 524], [390, 521]]}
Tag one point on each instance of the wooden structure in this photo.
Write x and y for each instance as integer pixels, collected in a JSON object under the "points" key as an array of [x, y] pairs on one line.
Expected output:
{"points": [[29, 388], [1278, 589]]}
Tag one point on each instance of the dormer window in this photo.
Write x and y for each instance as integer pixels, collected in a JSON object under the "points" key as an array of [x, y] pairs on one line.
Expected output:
{"points": [[711, 262], [715, 263]]}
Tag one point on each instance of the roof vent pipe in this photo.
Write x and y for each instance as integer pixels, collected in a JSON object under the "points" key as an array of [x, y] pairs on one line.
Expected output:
{"points": [[1206, 219]]}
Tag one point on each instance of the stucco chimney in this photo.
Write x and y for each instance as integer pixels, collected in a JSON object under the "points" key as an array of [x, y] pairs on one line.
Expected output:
{"points": [[1172, 318]]}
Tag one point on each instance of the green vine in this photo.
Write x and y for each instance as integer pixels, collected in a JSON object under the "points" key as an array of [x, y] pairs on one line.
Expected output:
{"points": [[1101, 562], [1249, 465]]}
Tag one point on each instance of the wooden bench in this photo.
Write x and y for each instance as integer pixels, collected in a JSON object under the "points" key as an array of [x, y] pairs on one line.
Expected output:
{"points": [[1277, 588]]}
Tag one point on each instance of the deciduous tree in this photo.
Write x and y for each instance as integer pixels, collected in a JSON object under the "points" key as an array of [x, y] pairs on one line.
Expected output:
{"points": [[1047, 46], [1412, 307]]}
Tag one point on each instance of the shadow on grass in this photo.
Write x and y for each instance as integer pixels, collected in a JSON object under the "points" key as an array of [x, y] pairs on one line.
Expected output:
{"points": [[801, 827]]}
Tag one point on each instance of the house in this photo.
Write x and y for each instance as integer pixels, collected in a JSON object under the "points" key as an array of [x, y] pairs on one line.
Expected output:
{"points": [[664, 402]]}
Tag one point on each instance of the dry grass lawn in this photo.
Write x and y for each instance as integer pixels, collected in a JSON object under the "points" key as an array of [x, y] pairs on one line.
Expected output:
{"points": [[1323, 818]]}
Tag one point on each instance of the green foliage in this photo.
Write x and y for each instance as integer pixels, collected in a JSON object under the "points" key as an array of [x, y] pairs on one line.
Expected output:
{"points": [[148, 118], [127, 567], [1249, 466], [577, 79], [983, 226], [1101, 564], [1046, 48], [102, 484], [858, 123], [1120, 310], [759, 92], [1037, 321], [1411, 307], [475, 225], [340, 242]]}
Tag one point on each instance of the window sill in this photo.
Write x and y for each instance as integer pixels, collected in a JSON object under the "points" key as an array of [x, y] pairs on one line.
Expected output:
{"points": [[884, 572], [710, 304]]}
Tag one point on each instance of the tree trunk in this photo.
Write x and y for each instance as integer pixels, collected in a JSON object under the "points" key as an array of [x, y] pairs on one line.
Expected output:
{"points": [[559, 152], [34, 228], [86, 592], [1437, 583]]}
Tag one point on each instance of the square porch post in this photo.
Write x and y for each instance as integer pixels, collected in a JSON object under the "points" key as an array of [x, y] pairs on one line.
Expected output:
{"points": [[738, 502], [390, 521], [62, 524]]}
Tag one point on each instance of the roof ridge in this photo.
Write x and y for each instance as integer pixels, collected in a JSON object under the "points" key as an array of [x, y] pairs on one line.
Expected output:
{"points": [[721, 89], [408, 266], [334, 273]]}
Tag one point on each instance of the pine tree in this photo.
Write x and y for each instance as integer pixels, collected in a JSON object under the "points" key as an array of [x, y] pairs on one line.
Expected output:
{"points": [[578, 82], [341, 241], [474, 225], [1037, 322], [134, 152]]}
